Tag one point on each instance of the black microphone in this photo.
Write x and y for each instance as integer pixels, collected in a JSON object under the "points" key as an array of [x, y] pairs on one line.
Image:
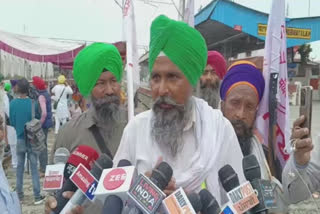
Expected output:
{"points": [[81, 155], [147, 193], [113, 204], [228, 178], [195, 201], [161, 175], [103, 162], [252, 172], [242, 197], [209, 203]]}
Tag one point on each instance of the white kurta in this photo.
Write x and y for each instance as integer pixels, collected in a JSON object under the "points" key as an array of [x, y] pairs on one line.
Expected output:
{"points": [[62, 111], [209, 144]]}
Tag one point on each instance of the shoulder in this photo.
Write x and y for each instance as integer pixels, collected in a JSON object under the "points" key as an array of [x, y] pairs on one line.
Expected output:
{"points": [[139, 122], [208, 112]]}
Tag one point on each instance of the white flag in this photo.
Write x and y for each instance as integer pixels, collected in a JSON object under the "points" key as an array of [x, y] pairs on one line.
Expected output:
{"points": [[275, 61], [189, 13], [133, 73]]}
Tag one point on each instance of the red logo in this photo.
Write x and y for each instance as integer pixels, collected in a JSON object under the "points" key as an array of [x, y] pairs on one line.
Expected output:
{"points": [[82, 178], [53, 182], [114, 179]]}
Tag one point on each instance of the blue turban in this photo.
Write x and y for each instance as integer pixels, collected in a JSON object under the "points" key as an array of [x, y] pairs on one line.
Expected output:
{"points": [[243, 73]]}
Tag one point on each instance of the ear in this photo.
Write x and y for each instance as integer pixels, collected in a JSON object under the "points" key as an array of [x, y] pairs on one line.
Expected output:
{"points": [[222, 105]]}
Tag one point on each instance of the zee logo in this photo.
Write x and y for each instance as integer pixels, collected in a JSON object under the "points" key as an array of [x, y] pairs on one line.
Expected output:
{"points": [[114, 179]]}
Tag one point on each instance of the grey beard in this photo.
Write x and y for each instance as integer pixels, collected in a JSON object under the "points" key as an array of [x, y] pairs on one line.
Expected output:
{"points": [[245, 138], [107, 109], [211, 95], [167, 125]]}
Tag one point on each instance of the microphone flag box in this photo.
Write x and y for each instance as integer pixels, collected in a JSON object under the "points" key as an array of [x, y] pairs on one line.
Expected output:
{"points": [[178, 202], [53, 178], [228, 209], [115, 181], [146, 195], [85, 181], [243, 197]]}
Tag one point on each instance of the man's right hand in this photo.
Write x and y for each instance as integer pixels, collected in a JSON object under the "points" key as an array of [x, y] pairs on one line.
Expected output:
{"points": [[51, 204]]}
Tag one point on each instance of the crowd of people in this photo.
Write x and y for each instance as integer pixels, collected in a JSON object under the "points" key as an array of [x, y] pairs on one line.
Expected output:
{"points": [[196, 136]]}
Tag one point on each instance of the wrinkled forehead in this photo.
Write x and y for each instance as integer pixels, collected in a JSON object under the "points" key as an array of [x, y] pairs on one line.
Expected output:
{"points": [[242, 92], [164, 64]]}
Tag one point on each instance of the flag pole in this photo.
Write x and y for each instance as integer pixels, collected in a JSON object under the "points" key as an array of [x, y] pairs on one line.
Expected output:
{"points": [[273, 90]]}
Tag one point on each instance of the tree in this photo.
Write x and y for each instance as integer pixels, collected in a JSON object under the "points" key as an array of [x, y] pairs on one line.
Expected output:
{"points": [[304, 51]]}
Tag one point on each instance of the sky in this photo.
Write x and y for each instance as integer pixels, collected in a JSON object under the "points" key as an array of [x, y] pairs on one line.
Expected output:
{"points": [[101, 20]]}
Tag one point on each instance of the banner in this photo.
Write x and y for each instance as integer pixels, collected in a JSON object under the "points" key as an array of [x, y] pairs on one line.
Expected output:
{"points": [[275, 62]]}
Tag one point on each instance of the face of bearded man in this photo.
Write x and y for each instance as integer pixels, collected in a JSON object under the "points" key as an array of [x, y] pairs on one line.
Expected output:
{"points": [[209, 87], [105, 98], [244, 134], [168, 124], [209, 91], [107, 108]]}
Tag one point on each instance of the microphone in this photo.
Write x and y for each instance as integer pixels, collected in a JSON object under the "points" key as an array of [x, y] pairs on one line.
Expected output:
{"points": [[195, 201], [116, 181], [242, 197], [61, 155], [264, 189], [113, 204], [79, 197], [53, 178], [147, 193], [178, 202], [209, 203], [81, 155]]}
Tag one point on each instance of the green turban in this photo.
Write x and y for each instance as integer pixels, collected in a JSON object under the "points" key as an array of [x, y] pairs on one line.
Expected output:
{"points": [[182, 44], [92, 61], [7, 87]]}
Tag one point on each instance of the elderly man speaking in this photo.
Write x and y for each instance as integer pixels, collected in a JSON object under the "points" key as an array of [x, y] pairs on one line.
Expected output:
{"points": [[180, 129]]}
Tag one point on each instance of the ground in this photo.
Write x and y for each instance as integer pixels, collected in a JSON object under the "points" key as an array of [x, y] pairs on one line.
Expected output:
{"points": [[307, 207]]}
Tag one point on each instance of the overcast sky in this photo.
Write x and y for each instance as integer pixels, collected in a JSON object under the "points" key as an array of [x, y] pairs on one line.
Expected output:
{"points": [[101, 20]]}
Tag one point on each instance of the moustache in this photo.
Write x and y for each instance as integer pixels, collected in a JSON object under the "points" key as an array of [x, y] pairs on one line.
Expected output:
{"points": [[108, 100], [168, 101]]}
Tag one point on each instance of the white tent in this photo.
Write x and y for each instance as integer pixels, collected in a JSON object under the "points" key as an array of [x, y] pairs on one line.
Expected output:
{"points": [[29, 56]]}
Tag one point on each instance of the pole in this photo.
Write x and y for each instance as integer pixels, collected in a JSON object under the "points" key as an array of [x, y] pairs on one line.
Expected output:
{"points": [[309, 9], [272, 122], [182, 6]]}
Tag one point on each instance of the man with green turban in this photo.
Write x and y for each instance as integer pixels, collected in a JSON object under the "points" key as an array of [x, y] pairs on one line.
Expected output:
{"points": [[194, 139], [97, 71]]}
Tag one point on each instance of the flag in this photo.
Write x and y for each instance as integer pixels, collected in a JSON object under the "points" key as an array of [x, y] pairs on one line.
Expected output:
{"points": [[275, 62], [133, 73], [189, 13]]}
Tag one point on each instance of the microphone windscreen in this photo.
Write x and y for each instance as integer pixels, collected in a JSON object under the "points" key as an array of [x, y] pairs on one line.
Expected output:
{"points": [[251, 167], [161, 175], [61, 155], [103, 162], [124, 163], [228, 177], [209, 203], [113, 204], [195, 202], [83, 154]]}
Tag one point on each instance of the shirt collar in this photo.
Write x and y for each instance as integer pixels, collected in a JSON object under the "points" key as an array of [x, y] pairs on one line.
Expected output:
{"points": [[192, 120]]}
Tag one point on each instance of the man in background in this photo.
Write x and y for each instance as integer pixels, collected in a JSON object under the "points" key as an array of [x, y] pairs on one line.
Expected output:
{"points": [[211, 77], [61, 92], [44, 101], [20, 113]]}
